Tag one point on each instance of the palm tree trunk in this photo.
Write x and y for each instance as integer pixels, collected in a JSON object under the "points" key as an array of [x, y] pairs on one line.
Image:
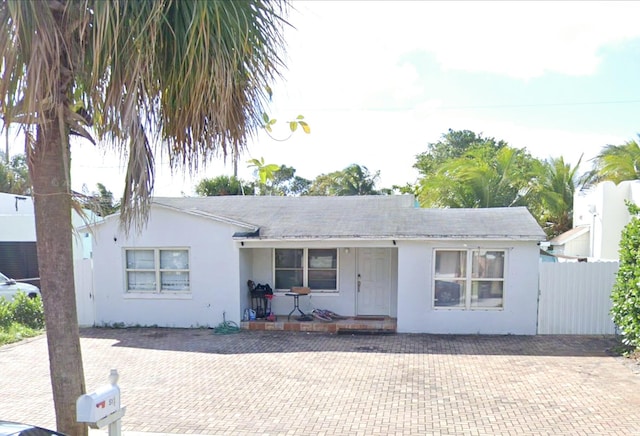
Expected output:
{"points": [[49, 168]]}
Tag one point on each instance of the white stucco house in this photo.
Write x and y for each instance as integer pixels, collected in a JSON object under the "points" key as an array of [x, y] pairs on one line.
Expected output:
{"points": [[599, 216], [434, 270]]}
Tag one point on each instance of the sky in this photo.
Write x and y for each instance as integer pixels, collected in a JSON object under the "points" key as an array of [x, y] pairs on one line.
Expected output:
{"points": [[377, 81]]}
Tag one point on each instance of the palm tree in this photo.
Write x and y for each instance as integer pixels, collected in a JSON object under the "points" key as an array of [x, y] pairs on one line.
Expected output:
{"points": [[482, 177], [552, 202], [618, 163], [353, 180], [191, 75]]}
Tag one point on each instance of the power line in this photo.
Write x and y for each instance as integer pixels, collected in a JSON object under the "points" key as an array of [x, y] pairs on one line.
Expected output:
{"points": [[504, 106]]}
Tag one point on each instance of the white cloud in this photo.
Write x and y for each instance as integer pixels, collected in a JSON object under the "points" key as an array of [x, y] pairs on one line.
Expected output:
{"points": [[517, 39]]}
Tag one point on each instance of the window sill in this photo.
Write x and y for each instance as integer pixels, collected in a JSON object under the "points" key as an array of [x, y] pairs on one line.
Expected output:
{"points": [[471, 309], [315, 294], [157, 296]]}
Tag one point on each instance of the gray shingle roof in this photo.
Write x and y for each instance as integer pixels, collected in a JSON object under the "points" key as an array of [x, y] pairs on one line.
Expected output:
{"points": [[358, 217]]}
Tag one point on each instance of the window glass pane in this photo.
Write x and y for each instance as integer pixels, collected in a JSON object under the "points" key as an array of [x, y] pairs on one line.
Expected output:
{"points": [[175, 281], [323, 279], [141, 281], [288, 278], [323, 258], [488, 264], [140, 259], [449, 293], [486, 293], [289, 258], [451, 264], [174, 259]]}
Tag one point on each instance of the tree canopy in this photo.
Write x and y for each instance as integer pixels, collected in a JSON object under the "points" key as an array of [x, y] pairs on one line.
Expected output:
{"points": [[617, 163], [14, 176]]}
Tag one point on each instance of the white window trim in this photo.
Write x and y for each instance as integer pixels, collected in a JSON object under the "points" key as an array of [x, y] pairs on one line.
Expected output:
{"points": [[305, 270], [169, 294], [469, 280]]}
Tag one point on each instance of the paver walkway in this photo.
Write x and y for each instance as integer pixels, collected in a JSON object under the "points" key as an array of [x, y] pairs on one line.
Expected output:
{"points": [[283, 383]]}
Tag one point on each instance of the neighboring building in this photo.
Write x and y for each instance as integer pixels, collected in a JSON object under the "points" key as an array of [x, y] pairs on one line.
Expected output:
{"points": [[435, 270], [18, 251], [18, 258], [599, 217]]}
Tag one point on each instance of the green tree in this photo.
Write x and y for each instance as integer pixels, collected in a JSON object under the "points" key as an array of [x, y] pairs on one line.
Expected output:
{"points": [[14, 176], [224, 185], [488, 174], [551, 199], [189, 75], [100, 202], [452, 145], [353, 180], [617, 163], [285, 182], [626, 291]]}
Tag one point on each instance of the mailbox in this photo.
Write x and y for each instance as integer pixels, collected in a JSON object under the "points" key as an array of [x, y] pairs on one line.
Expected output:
{"points": [[97, 405], [102, 407]]}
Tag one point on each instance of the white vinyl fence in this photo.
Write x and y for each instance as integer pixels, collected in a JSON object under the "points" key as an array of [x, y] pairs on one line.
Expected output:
{"points": [[575, 298]]}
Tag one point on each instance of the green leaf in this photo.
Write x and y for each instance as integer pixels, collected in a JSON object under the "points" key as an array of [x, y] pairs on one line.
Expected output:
{"points": [[272, 122], [293, 125], [300, 117], [268, 128], [269, 92], [305, 127], [265, 117]]}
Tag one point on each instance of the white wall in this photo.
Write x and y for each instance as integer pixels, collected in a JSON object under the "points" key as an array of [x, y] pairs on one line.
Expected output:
{"points": [[416, 313], [603, 208], [343, 302], [17, 220], [214, 278]]}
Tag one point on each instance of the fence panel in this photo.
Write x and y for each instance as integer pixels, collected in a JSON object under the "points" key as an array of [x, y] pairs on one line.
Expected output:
{"points": [[575, 298]]}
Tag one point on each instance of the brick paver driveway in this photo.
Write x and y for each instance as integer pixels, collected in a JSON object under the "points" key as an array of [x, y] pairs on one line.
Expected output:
{"points": [[277, 383]]}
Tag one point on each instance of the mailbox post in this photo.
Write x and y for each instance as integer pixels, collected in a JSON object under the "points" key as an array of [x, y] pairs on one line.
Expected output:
{"points": [[102, 407]]}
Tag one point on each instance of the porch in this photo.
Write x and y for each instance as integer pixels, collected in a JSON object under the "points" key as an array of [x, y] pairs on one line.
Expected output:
{"points": [[357, 324]]}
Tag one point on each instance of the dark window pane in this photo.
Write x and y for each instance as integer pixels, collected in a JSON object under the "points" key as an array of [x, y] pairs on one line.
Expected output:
{"points": [[486, 293], [449, 293], [323, 279], [286, 279], [289, 258]]}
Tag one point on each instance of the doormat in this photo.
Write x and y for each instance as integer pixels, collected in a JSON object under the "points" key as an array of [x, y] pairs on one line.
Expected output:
{"points": [[369, 318]]}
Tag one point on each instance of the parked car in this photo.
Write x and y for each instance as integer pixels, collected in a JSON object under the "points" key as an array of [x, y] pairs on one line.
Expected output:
{"points": [[9, 288], [8, 428]]}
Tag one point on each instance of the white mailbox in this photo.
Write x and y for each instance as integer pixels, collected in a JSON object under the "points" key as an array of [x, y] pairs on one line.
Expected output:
{"points": [[102, 407], [98, 405]]}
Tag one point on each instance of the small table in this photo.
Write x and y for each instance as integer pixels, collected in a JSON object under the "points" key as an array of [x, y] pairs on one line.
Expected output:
{"points": [[296, 303]]}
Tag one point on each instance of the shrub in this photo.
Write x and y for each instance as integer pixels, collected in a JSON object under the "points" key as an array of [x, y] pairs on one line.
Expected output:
{"points": [[28, 311], [6, 314], [626, 291]]}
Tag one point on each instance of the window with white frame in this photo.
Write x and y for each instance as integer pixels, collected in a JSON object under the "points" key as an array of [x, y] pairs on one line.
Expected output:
{"points": [[469, 279], [316, 268], [157, 270]]}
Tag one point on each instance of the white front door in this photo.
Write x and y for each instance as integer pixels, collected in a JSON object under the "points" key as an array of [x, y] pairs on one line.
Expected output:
{"points": [[373, 281]]}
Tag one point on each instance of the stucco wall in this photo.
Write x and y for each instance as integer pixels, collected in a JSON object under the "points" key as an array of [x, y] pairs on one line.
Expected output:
{"points": [[603, 208], [214, 273], [342, 302], [416, 313]]}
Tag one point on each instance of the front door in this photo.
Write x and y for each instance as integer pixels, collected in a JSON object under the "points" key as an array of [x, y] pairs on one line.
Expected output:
{"points": [[374, 281]]}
